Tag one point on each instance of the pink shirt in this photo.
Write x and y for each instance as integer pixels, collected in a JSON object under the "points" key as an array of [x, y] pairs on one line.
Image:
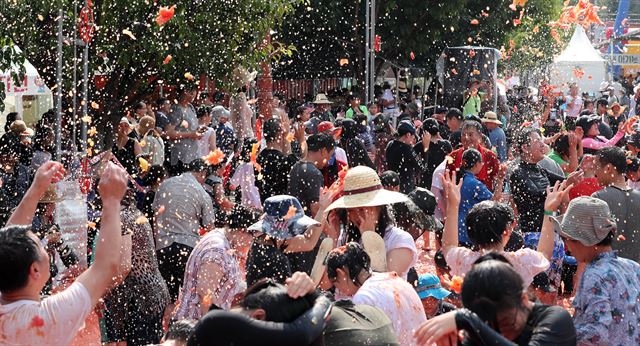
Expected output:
{"points": [[212, 248], [399, 301], [54, 320], [591, 143], [527, 262]]}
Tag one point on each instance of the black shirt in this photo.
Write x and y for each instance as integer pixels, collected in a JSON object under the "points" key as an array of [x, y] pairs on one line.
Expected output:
{"points": [[402, 159], [305, 182], [356, 153], [433, 157], [275, 173], [546, 325], [529, 184], [266, 261]]}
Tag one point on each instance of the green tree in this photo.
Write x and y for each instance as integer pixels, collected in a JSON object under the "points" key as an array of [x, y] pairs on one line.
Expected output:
{"points": [[329, 28], [204, 38]]}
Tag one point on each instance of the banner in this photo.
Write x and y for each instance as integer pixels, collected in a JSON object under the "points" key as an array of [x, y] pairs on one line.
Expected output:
{"points": [[622, 59]]}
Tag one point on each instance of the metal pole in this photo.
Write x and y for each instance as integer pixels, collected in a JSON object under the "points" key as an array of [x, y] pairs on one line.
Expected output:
{"points": [[367, 52], [75, 78], [59, 88], [85, 96], [372, 51]]}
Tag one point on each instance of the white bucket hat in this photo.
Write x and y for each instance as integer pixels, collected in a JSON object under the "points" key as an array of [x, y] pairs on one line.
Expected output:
{"points": [[362, 188], [322, 99]]}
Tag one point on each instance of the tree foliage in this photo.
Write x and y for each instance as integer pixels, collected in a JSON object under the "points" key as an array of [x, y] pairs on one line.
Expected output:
{"points": [[421, 27], [204, 38]]}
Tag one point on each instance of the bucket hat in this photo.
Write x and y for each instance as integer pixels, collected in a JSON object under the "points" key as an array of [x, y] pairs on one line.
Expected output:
{"points": [[429, 286], [283, 218], [587, 220], [362, 188]]}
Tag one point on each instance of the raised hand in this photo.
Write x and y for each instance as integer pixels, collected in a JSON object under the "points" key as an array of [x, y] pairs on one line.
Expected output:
{"points": [[50, 172], [556, 195], [299, 285], [113, 183], [440, 330], [451, 189]]}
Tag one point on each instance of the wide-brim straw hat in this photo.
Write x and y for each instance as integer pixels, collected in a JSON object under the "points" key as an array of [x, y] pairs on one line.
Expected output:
{"points": [[322, 99], [491, 117], [362, 188], [402, 86], [616, 104]]}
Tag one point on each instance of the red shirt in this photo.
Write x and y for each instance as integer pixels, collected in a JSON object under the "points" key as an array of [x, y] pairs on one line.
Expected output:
{"points": [[489, 169], [585, 188]]}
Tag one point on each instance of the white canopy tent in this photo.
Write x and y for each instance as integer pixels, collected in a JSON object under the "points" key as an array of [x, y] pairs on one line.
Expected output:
{"points": [[30, 99], [579, 56]]}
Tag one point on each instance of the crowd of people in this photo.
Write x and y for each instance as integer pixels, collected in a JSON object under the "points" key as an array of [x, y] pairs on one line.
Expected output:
{"points": [[332, 223]]}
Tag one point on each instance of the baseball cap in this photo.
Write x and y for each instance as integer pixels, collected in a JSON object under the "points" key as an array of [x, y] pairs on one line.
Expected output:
{"points": [[587, 220], [406, 127], [320, 141]]}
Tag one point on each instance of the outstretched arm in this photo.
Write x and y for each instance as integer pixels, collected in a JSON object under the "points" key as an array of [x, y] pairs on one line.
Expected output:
{"points": [[452, 193], [49, 172], [109, 248]]}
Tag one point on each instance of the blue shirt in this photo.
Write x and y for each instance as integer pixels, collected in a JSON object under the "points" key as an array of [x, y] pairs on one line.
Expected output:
{"points": [[473, 191], [606, 302], [499, 141]]}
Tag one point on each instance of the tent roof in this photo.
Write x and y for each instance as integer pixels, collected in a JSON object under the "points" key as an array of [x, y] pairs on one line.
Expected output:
{"points": [[579, 49]]}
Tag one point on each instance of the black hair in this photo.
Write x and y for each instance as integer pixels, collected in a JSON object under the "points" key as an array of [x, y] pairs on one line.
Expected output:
{"points": [[602, 102], [272, 297], [633, 164], [180, 330], [17, 252], [614, 156], [11, 117], [197, 165], [472, 124], [390, 178], [320, 141], [203, 111], [587, 102], [608, 240], [431, 125], [561, 145], [524, 137], [440, 262], [8, 144], [218, 96], [491, 287], [271, 129], [492, 256], [470, 158], [486, 221], [245, 150], [454, 113], [156, 173], [41, 140], [410, 217], [160, 102], [139, 105], [351, 256], [385, 220]]}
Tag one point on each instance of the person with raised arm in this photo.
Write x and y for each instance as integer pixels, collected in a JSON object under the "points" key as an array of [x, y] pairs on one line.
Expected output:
{"points": [[489, 226], [25, 318]]}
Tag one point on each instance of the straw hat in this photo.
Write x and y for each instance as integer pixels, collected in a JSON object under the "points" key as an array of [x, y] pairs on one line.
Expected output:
{"points": [[491, 117], [616, 104], [362, 188], [18, 126], [402, 85], [322, 99]]}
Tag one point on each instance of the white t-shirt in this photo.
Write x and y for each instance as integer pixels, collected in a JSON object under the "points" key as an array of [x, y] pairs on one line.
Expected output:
{"points": [[53, 321], [574, 106], [399, 301], [203, 142], [395, 238], [244, 178], [341, 155], [527, 262], [388, 96]]}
